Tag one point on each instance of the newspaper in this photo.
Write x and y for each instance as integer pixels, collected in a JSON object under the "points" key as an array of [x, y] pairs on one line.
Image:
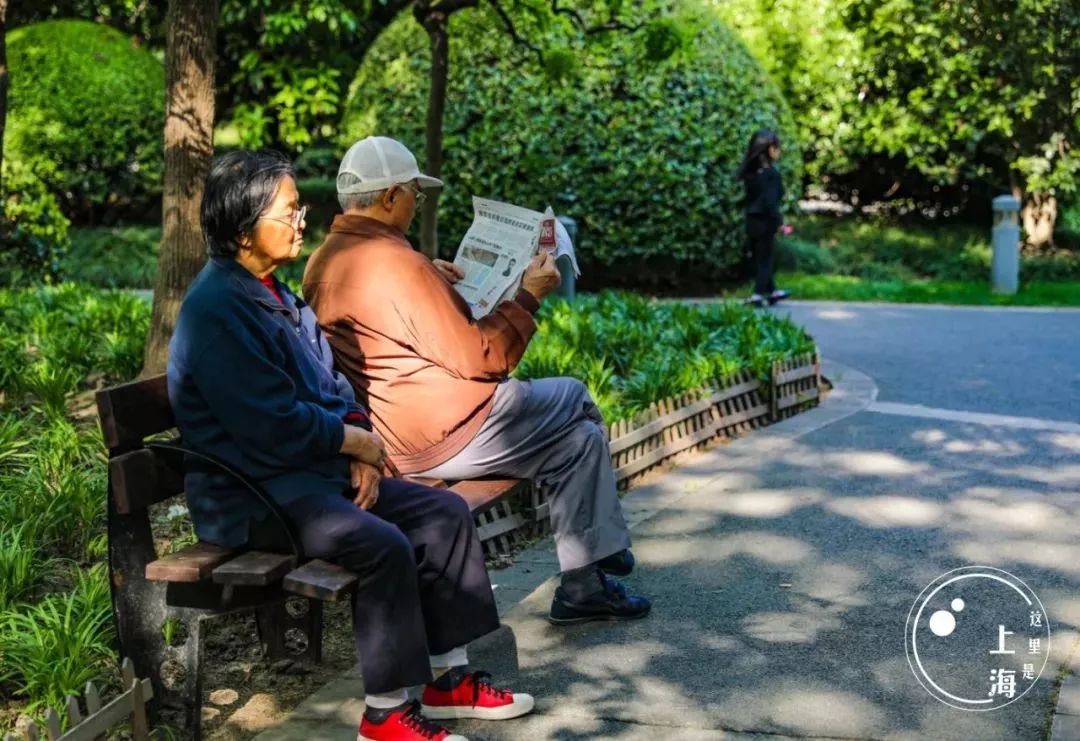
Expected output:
{"points": [[499, 245]]}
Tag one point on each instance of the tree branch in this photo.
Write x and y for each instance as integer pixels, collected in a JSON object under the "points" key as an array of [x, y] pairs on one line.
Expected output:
{"points": [[613, 23], [512, 30]]}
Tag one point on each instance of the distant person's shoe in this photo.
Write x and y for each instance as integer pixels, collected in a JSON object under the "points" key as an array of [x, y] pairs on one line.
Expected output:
{"points": [[618, 564], [403, 723], [777, 296], [756, 300], [463, 694], [609, 602]]}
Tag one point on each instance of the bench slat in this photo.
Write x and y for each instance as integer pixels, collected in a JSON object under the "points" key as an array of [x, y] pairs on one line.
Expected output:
{"points": [[142, 478], [253, 569], [320, 580], [483, 494], [192, 563], [132, 411], [433, 483]]}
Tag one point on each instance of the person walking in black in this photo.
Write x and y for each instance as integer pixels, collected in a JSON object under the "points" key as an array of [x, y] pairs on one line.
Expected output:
{"points": [[764, 191]]}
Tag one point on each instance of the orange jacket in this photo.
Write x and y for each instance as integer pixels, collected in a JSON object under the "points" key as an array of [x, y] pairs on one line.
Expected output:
{"points": [[407, 342]]}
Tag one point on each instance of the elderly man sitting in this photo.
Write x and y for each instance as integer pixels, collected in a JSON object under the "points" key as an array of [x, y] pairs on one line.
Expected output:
{"points": [[437, 380]]}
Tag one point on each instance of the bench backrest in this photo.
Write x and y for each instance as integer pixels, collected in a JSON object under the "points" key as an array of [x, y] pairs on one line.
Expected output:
{"points": [[131, 412]]}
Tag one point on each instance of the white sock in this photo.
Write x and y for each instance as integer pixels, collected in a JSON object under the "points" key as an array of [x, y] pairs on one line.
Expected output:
{"points": [[454, 657], [386, 700]]}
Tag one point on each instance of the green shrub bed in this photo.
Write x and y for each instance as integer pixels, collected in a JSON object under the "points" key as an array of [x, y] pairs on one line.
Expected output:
{"points": [[55, 616], [58, 344], [632, 351]]}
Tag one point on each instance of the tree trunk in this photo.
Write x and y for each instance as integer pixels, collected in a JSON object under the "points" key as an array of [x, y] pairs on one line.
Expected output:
{"points": [[1039, 215], [435, 23], [3, 99], [190, 55]]}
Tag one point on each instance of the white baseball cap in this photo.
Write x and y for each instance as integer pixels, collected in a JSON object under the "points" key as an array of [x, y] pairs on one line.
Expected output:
{"points": [[376, 163]]}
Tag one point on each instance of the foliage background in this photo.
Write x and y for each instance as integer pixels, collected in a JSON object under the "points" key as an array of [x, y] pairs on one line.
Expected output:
{"points": [[635, 135]]}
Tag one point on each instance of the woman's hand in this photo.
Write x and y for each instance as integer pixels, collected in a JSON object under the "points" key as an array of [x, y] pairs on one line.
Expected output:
{"points": [[364, 446], [449, 270], [365, 479]]}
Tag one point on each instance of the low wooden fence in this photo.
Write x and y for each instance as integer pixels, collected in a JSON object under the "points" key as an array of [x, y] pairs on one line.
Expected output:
{"points": [[128, 707]]}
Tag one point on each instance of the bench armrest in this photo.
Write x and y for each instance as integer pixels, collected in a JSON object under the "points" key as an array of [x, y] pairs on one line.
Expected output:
{"points": [[177, 448]]}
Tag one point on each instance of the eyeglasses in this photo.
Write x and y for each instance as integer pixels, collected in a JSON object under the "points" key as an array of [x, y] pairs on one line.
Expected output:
{"points": [[418, 194], [293, 221]]}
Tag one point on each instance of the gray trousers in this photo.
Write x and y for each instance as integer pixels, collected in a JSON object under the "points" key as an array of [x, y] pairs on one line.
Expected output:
{"points": [[549, 430]]}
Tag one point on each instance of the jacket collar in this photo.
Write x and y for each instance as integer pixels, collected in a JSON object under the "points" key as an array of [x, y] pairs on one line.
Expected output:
{"points": [[241, 279], [366, 227]]}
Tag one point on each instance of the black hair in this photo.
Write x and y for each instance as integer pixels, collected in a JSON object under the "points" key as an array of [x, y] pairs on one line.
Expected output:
{"points": [[757, 152], [241, 185]]}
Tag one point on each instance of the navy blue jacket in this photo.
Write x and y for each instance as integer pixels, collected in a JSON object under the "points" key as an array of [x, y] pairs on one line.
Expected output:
{"points": [[251, 381]]}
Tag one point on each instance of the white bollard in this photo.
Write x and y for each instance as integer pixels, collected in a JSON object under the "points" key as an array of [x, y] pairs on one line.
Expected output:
{"points": [[1005, 242]]}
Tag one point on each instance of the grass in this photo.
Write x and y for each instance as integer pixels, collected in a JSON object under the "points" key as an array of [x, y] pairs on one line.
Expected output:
{"points": [[845, 259], [1059, 293], [963, 293]]}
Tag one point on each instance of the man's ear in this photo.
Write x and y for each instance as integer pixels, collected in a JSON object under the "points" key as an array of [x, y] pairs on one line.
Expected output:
{"points": [[391, 196]]}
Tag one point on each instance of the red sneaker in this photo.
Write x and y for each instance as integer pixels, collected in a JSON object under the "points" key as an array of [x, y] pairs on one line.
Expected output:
{"points": [[404, 723], [462, 694]]}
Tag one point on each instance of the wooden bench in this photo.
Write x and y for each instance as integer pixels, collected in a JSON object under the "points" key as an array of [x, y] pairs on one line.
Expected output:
{"points": [[161, 601]]}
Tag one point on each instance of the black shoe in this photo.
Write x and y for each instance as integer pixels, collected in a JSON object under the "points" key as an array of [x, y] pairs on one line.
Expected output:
{"points": [[618, 564], [609, 603], [777, 296]]}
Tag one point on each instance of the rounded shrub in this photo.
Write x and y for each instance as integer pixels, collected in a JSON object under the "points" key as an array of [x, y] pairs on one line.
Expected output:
{"points": [[637, 135], [86, 112], [33, 229]]}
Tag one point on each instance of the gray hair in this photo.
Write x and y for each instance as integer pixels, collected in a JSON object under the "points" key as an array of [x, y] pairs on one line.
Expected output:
{"points": [[356, 200]]}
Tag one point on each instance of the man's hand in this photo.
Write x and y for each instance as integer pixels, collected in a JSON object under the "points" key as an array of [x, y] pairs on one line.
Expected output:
{"points": [[364, 446], [365, 479], [542, 276], [449, 270]]}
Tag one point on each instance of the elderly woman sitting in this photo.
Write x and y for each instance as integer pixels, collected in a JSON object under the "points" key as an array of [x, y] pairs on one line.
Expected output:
{"points": [[251, 382]]}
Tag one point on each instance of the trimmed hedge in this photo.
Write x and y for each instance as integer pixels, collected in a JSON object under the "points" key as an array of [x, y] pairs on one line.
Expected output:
{"points": [[641, 151], [86, 111]]}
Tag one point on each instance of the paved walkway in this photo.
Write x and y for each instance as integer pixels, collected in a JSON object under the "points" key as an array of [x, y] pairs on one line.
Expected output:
{"points": [[783, 565]]}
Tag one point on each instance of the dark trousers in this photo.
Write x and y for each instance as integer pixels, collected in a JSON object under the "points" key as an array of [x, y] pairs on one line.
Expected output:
{"points": [[423, 588], [763, 245]]}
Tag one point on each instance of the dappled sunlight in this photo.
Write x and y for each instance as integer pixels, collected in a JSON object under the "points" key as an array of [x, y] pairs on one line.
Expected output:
{"points": [[987, 447], [1035, 517], [765, 503], [782, 581], [930, 437], [1066, 475], [1006, 554], [1065, 441], [865, 463], [762, 545], [791, 627], [834, 583], [836, 315], [803, 708], [889, 511]]}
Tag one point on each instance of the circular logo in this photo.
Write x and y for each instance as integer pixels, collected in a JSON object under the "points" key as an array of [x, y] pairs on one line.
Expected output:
{"points": [[977, 638]]}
